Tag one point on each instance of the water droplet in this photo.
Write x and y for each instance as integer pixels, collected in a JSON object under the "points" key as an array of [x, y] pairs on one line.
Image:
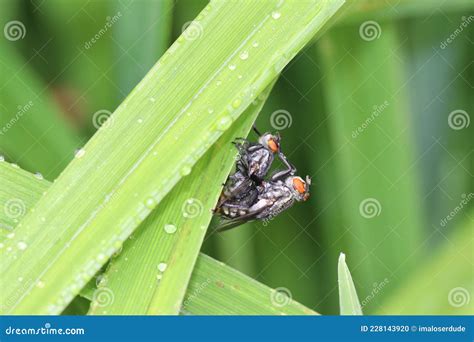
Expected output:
{"points": [[150, 203], [239, 77], [224, 123], [232, 66], [38, 175], [9, 249], [236, 103], [162, 266], [100, 257], [140, 120], [244, 55], [255, 44], [159, 276], [22, 245], [79, 153], [185, 170], [210, 110], [40, 284], [20, 279], [170, 228], [2, 158], [1, 245], [15, 166], [11, 235], [218, 82], [152, 99], [276, 15]]}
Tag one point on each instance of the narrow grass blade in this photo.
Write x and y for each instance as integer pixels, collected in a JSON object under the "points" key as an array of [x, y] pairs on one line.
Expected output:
{"points": [[19, 192], [151, 274], [140, 37], [153, 139], [243, 295], [370, 186], [30, 123], [348, 300]]}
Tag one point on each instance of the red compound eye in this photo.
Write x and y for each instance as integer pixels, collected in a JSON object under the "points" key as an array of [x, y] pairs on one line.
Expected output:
{"points": [[299, 185], [273, 145]]}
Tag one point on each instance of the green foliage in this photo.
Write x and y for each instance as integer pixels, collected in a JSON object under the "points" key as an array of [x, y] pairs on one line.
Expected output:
{"points": [[392, 189], [165, 124]]}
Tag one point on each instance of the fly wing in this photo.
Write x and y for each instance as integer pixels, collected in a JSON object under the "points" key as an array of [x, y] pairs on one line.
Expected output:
{"points": [[226, 224]]}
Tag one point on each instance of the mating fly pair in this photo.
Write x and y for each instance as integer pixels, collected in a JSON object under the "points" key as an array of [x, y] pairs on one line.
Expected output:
{"points": [[247, 194]]}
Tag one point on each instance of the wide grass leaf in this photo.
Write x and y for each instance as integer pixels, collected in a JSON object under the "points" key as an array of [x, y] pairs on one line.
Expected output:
{"points": [[151, 274], [183, 105], [231, 291]]}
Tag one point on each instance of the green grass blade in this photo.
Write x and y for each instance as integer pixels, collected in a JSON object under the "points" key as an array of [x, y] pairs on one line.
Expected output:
{"points": [[19, 192], [216, 289], [31, 124], [348, 300], [140, 37], [172, 235], [165, 125], [370, 186], [242, 295]]}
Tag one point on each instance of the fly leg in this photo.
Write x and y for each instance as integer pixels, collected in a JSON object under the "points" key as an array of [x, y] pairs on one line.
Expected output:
{"points": [[282, 174]]}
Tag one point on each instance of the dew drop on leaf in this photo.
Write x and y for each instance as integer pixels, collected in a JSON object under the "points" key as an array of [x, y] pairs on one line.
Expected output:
{"points": [[170, 228], [22, 245], [162, 266]]}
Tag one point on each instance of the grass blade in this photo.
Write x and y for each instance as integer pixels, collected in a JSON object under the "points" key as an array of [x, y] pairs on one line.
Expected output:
{"points": [[30, 123], [152, 140], [348, 300], [232, 293], [151, 274], [19, 192], [216, 289]]}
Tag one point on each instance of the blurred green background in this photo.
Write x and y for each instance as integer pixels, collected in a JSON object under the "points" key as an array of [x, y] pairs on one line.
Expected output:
{"points": [[376, 110]]}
